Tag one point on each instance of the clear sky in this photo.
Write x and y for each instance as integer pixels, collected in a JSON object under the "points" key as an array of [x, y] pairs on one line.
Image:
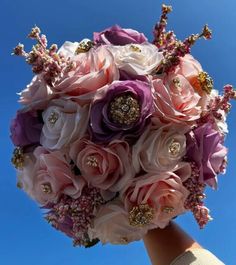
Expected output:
{"points": [[25, 238]]}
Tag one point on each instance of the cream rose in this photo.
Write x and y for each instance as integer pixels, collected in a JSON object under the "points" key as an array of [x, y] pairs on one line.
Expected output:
{"points": [[64, 122], [108, 168], [47, 175], [111, 225], [137, 59], [160, 147]]}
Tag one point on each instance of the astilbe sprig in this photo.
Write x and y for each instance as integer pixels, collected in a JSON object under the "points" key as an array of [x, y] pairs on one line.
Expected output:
{"points": [[44, 61], [162, 39], [174, 49], [217, 105], [196, 196], [74, 216]]}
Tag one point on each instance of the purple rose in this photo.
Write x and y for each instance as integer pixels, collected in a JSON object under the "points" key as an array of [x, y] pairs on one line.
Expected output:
{"points": [[128, 76], [122, 112], [205, 147], [117, 36], [26, 129]]}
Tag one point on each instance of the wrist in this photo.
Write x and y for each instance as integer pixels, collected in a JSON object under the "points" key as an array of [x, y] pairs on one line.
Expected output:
{"points": [[164, 245]]}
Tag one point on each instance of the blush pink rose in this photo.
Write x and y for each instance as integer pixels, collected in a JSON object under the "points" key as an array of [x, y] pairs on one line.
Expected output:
{"points": [[93, 70], [176, 100], [107, 168], [47, 175], [164, 192], [189, 67], [111, 225], [36, 94]]}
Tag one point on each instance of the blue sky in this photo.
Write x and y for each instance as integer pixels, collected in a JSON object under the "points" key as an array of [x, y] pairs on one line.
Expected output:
{"points": [[25, 238]]}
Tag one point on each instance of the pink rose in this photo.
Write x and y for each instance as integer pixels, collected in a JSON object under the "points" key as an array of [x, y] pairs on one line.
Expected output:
{"points": [[94, 69], [36, 93], [111, 225], [47, 175], [163, 192], [188, 67], [175, 99], [160, 147], [107, 168], [64, 121]]}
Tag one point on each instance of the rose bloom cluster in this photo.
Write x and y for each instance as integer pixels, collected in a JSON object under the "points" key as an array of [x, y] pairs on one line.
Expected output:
{"points": [[112, 146]]}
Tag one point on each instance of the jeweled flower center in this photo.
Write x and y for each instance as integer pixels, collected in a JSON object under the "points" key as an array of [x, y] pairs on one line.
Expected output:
{"points": [[84, 46], [92, 161], [135, 48], [53, 117], [176, 82], [18, 158], [124, 110], [141, 215], [206, 82], [46, 188], [168, 209], [174, 148], [124, 240]]}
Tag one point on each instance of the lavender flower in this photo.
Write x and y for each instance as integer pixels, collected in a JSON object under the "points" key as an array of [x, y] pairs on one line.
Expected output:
{"points": [[26, 128], [122, 112], [206, 149], [117, 36]]}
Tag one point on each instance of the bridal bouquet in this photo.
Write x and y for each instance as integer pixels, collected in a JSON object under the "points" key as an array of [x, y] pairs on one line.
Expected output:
{"points": [[118, 135]]}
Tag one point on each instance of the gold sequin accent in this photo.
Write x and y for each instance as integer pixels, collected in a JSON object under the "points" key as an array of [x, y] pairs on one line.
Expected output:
{"points": [[52, 119], [141, 215], [124, 110], [135, 48], [46, 188], [92, 161], [166, 9], [168, 209], [200, 197], [84, 46], [176, 82], [174, 148], [207, 32], [206, 82], [124, 240], [19, 185], [18, 158]]}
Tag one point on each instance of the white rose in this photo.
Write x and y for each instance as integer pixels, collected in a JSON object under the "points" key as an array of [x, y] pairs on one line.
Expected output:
{"points": [[137, 59], [64, 122], [160, 147]]}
